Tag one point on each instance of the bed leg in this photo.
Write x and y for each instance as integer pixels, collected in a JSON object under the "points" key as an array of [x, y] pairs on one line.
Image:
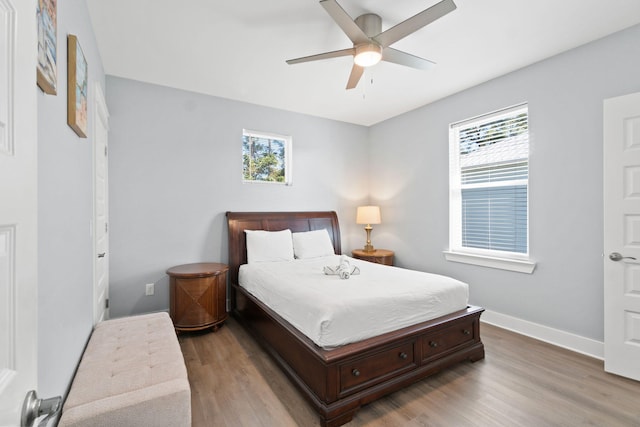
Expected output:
{"points": [[339, 420], [478, 354]]}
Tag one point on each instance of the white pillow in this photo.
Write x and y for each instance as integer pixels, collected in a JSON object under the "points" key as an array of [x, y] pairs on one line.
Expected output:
{"points": [[269, 246], [312, 244]]}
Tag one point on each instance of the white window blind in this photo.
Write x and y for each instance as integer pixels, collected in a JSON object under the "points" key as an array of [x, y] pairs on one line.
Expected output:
{"points": [[489, 175]]}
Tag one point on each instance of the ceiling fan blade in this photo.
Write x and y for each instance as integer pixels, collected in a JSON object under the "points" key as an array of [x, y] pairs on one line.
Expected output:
{"points": [[354, 77], [342, 18], [406, 59], [403, 29], [326, 55]]}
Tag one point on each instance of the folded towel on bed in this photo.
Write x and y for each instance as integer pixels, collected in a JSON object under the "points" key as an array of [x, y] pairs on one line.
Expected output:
{"points": [[344, 270]]}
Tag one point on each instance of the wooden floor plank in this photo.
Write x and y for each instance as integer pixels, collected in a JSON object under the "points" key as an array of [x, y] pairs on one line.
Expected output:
{"points": [[521, 382]]}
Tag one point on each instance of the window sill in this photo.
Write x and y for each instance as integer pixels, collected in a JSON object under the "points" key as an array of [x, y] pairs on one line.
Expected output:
{"points": [[520, 266]]}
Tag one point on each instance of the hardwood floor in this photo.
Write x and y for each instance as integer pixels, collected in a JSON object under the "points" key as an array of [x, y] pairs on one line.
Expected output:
{"points": [[521, 382]]}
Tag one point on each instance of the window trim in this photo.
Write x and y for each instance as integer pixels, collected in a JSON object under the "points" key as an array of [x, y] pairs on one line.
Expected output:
{"points": [[504, 260], [524, 265], [288, 156]]}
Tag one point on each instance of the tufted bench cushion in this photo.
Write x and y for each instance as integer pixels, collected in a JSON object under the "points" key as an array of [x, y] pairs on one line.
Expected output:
{"points": [[132, 373]]}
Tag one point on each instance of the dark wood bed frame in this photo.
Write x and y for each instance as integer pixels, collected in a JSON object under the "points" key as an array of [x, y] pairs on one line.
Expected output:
{"points": [[337, 382]]}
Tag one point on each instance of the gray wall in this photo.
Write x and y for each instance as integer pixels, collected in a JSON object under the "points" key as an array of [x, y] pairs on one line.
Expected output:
{"points": [[65, 211], [175, 168], [565, 93]]}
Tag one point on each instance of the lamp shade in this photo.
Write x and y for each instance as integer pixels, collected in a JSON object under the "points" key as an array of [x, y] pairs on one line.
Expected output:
{"points": [[368, 215]]}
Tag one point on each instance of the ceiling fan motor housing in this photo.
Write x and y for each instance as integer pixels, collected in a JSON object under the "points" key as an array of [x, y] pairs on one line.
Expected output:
{"points": [[369, 53], [370, 23]]}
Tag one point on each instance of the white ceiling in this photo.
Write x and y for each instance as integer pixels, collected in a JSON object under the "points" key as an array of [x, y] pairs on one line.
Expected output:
{"points": [[237, 49]]}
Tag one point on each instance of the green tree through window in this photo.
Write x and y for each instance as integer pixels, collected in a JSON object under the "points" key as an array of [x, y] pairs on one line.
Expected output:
{"points": [[264, 158]]}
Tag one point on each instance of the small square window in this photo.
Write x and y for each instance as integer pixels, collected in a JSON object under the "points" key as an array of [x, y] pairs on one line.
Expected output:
{"points": [[266, 158]]}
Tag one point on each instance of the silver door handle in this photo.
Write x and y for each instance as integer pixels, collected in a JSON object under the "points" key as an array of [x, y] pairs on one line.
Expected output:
{"points": [[33, 408], [615, 256]]}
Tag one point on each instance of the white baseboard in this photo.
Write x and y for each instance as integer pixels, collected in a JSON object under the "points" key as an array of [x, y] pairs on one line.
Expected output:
{"points": [[573, 342]]}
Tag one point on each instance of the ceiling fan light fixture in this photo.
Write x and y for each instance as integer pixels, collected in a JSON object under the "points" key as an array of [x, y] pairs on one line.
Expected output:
{"points": [[367, 54]]}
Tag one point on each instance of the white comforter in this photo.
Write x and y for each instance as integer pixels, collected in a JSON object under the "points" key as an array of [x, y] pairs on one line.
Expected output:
{"points": [[334, 312]]}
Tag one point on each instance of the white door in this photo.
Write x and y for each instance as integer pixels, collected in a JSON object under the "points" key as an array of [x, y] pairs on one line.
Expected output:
{"points": [[18, 207], [622, 235], [101, 209]]}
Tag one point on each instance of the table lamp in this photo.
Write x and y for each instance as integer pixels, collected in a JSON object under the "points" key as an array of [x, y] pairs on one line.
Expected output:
{"points": [[368, 215]]}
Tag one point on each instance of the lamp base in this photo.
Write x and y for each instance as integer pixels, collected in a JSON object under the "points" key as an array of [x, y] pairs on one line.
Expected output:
{"points": [[368, 247]]}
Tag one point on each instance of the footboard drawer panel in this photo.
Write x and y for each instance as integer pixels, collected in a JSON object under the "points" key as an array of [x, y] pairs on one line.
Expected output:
{"points": [[373, 368], [448, 339]]}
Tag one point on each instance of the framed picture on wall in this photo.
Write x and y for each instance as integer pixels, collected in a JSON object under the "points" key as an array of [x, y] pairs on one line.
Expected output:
{"points": [[46, 15], [77, 87]]}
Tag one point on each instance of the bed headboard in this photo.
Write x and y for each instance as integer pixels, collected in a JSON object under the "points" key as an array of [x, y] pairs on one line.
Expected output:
{"points": [[275, 221]]}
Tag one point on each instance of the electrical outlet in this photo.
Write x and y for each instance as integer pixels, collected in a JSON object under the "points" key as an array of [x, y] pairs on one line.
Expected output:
{"points": [[149, 289]]}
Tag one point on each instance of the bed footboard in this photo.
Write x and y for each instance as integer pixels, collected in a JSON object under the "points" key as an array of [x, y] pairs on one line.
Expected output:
{"points": [[337, 382]]}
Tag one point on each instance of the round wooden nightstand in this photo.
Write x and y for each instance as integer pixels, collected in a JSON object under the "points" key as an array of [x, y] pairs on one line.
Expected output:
{"points": [[198, 295], [379, 256]]}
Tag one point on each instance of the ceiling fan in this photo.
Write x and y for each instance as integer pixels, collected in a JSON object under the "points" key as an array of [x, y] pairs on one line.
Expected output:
{"points": [[371, 44]]}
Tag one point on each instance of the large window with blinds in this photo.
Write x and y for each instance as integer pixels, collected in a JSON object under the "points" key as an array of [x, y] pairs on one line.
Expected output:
{"points": [[489, 179]]}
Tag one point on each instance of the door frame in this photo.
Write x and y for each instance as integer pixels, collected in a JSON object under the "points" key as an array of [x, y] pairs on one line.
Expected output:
{"points": [[101, 115]]}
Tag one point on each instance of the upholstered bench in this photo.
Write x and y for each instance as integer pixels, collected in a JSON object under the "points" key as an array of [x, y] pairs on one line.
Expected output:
{"points": [[132, 373]]}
